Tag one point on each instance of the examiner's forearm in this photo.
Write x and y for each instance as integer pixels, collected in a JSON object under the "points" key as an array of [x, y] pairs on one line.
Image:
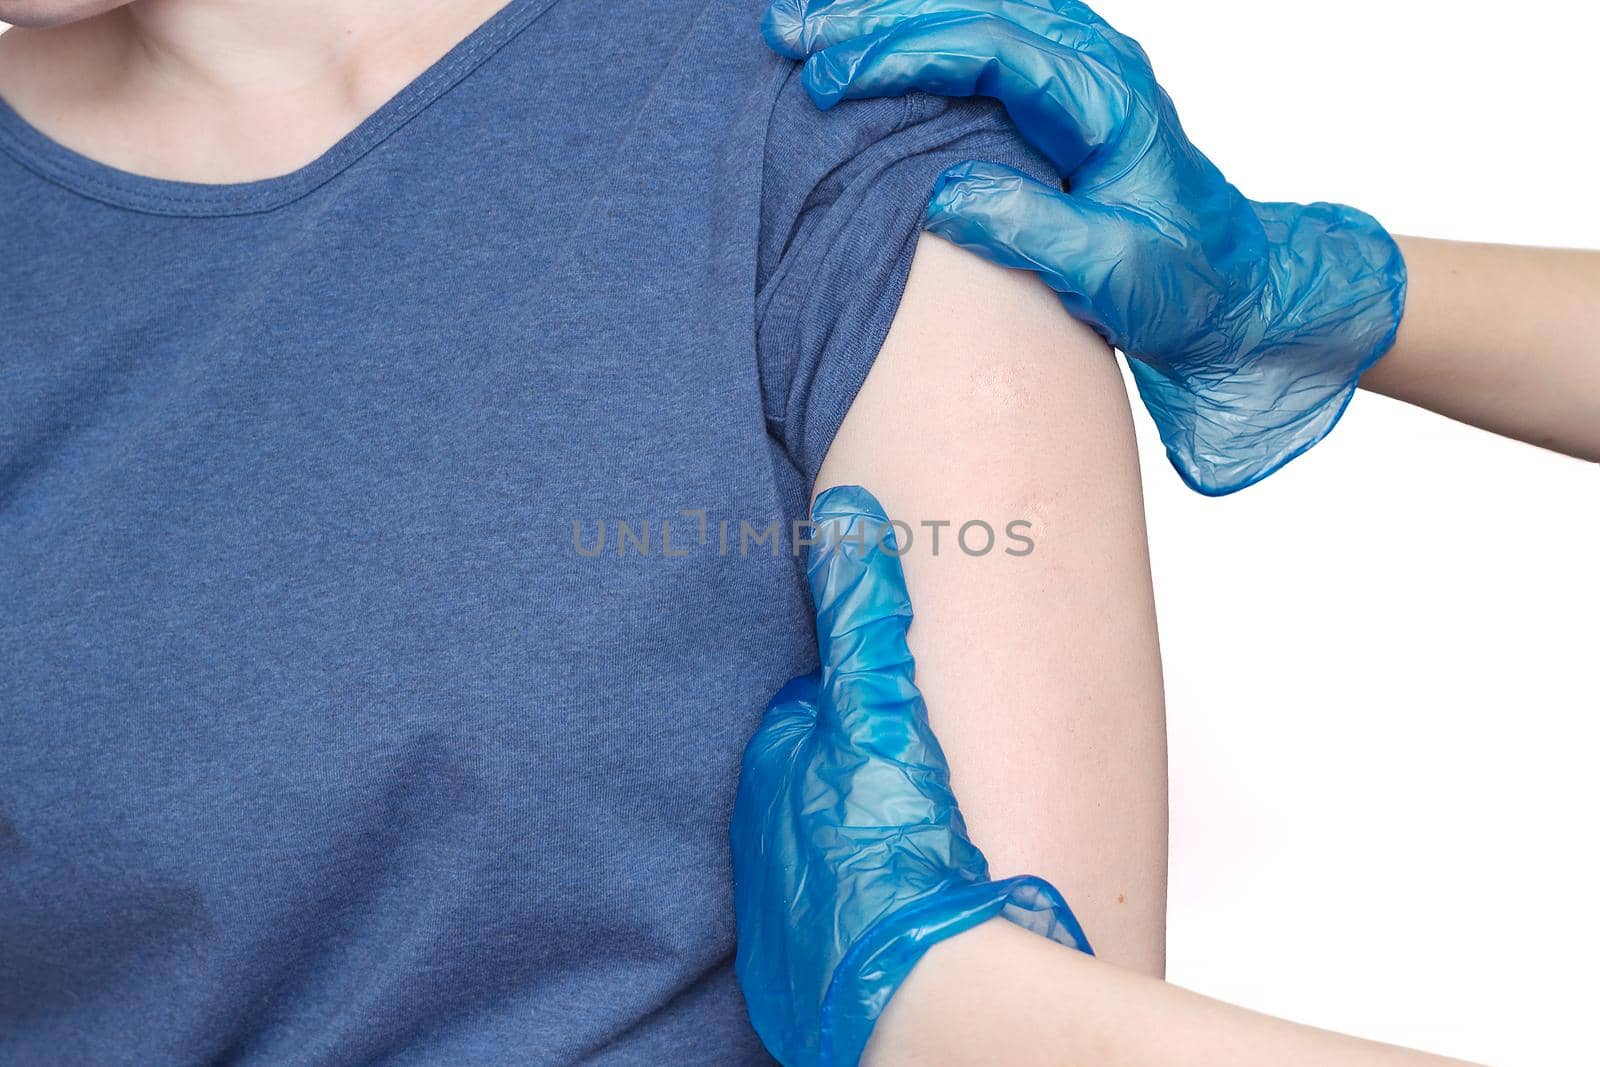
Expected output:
{"points": [[999, 994], [1501, 337]]}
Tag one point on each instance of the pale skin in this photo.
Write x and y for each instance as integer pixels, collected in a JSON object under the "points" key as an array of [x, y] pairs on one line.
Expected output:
{"points": [[1503, 338], [217, 90], [1043, 681], [999, 994], [1042, 673]]}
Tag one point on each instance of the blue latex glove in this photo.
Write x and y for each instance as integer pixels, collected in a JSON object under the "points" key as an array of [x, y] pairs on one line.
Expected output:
{"points": [[850, 857], [1248, 323]]}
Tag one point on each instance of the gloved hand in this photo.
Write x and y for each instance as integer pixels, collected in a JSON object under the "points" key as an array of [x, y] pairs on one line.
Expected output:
{"points": [[850, 857], [1247, 323]]}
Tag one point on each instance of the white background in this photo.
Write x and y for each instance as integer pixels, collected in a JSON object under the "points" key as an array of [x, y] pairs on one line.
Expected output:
{"points": [[1381, 663]]}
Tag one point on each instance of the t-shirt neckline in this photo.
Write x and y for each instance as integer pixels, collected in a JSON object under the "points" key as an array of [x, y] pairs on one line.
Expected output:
{"points": [[70, 169]]}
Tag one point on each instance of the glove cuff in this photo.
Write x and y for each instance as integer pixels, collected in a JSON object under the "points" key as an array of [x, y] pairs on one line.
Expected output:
{"points": [[879, 960], [1334, 304]]}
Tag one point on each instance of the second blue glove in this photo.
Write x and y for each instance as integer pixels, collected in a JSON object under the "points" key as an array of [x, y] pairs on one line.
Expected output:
{"points": [[850, 856]]}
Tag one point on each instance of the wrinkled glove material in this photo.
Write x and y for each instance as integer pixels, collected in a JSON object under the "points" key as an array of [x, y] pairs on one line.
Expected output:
{"points": [[850, 855], [1246, 324]]}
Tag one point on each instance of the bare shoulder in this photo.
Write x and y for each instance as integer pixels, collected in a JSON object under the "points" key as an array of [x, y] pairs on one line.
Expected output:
{"points": [[990, 410], [985, 374]]}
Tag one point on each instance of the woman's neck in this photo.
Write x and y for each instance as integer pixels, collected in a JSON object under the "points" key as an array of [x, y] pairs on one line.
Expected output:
{"points": [[224, 90]]}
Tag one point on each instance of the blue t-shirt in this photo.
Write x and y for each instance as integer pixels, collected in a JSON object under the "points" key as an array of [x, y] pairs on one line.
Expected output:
{"points": [[324, 739]]}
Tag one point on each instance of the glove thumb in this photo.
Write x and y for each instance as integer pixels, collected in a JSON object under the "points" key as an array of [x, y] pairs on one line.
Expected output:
{"points": [[1014, 220]]}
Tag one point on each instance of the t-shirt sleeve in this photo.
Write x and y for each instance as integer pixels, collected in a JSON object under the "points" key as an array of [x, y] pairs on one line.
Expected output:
{"points": [[843, 195]]}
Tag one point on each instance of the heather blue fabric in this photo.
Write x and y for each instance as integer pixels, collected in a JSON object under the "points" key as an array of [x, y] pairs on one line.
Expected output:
{"points": [[321, 740]]}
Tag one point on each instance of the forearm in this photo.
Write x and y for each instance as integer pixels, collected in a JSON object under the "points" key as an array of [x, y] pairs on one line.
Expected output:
{"points": [[1503, 338], [998, 994]]}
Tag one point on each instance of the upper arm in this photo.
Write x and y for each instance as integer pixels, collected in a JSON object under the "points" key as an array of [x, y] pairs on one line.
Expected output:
{"points": [[1041, 670]]}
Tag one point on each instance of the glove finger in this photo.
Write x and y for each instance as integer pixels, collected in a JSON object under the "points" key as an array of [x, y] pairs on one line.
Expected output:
{"points": [[1068, 102], [1081, 249], [863, 613], [796, 29], [857, 585]]}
